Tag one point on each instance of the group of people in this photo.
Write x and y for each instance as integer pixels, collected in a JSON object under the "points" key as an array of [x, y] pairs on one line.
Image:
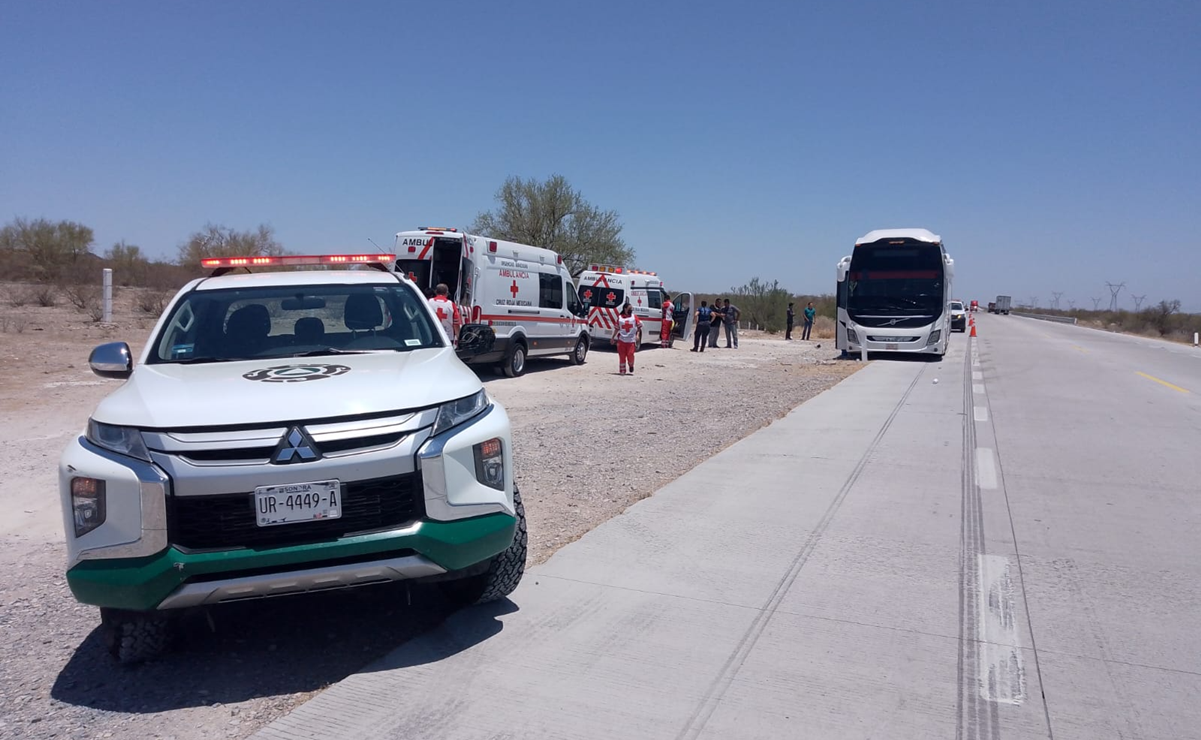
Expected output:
{"points": [[810, 313], [710, 319]]}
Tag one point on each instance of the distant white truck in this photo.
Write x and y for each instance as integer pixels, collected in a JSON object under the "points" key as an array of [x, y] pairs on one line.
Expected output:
{"points": [[1003, 304]]}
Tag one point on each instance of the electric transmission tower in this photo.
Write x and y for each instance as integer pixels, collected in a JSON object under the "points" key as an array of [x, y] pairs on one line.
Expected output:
{"points": [[1096, 304], [1055, 299], [1033, 301], [1113, 294], [1071, 305], [1138, 300]]}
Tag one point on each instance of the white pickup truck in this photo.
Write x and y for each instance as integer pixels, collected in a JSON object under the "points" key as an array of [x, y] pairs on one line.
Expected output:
{"points": [[285, 432]]}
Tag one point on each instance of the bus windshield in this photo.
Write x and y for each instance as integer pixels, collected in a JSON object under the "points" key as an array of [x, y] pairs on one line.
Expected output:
{"points": [[896, 279]]}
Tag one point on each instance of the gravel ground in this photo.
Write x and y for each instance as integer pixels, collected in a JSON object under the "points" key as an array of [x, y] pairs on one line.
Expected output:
{"points": [[588, 444]]}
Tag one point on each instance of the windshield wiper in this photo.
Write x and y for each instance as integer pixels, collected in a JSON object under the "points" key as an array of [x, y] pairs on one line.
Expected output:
{"points": [[329, 351], [203, 360]]}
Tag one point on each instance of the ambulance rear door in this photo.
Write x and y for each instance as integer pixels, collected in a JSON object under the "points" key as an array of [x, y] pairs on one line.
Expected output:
{"points": [[684, 311]]}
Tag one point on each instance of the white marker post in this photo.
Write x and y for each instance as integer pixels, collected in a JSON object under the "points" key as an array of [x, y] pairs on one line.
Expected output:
{"points": [[1196, 339], [108, 295]]}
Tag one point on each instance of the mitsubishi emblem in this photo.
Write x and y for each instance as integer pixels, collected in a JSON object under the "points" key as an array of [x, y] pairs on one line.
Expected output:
{"points": [[296, 446]]}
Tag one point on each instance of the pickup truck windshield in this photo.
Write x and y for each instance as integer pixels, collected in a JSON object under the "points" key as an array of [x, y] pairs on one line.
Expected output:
{"points": [[293, 321]]}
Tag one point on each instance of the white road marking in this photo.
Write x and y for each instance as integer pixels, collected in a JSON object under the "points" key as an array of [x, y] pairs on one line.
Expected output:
{"points": [[977, 376], [977, 388], [986, 469], [999, 669], [981, 413]]}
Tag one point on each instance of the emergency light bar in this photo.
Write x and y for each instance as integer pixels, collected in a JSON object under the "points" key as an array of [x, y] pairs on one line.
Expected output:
{"points": [[221, 265], [620, 270]]}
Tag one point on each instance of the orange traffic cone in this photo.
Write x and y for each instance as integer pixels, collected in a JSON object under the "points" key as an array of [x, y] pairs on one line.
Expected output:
{"points": [[973, 330]]}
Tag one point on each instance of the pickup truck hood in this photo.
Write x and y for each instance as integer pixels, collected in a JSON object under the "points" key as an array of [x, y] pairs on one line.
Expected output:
{"points": [[222, 394]]}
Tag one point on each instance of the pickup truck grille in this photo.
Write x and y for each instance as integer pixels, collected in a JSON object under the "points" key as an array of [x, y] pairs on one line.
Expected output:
{"points": [[227, 521]]}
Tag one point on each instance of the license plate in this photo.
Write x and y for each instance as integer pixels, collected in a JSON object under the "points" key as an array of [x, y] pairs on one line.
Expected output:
{"points": [[890, 346], [297, 502]]}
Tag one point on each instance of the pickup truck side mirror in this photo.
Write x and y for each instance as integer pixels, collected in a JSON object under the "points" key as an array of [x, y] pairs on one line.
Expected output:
{"points": [[112, 360]]}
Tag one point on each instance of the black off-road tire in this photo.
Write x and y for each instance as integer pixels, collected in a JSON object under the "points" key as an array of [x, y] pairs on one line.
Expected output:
{"points": [[134, 637], [515, 360], [504, 572], [579, 355]]}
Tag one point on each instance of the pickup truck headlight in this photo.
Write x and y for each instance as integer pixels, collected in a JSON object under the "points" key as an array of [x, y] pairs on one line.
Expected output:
{"points": [[121, 440], [454, 413]]}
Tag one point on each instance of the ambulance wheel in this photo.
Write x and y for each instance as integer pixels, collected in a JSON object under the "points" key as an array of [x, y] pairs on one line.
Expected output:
{"points": [[515, 361], [580, 353]]}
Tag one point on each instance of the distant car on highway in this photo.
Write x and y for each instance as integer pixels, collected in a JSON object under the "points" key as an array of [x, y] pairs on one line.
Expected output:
{"points": [[287, 432], [958, 316]]}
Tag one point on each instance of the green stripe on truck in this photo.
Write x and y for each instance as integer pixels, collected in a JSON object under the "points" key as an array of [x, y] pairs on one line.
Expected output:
{"points": [[143, 583]]}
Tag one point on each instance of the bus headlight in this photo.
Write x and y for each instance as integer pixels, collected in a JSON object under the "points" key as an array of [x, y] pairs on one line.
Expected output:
{"points": [[934, 337], [851, 335]]}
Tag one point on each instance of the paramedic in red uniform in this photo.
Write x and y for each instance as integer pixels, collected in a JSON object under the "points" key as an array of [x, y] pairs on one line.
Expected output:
{"points": [[446, 311], [665, 330], [627, 331]]}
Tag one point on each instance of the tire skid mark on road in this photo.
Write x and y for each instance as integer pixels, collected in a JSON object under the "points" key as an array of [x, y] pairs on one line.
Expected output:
{"points": [[999, 582], [729, 671], [977, 718]]}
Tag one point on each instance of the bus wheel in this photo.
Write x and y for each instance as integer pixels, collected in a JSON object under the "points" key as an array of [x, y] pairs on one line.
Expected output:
{"points": [[580, 353], [515, 362]]}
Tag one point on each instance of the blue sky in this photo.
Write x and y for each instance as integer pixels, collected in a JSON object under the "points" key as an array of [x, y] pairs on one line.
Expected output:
{"points": [[1054, 146]]}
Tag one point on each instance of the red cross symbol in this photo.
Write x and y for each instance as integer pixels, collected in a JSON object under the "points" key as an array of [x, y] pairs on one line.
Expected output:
{"points": [[513, 288], [640, 300], [587, 295], [441, 313], [611, 297]]}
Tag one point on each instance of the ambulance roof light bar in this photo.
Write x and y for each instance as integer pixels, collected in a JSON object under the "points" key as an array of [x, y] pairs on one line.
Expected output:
{"points": [[437, 229], [222, 265], [620, 270]]}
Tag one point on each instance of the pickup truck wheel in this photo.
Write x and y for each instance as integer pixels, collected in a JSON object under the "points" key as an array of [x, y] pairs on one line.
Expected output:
{"points": [[515, 362], [134, 637], [580, 353], [504, 572]]}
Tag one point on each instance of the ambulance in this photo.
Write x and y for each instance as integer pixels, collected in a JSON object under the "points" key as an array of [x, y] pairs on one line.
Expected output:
{"points": [[523, 294], [604, 289]]}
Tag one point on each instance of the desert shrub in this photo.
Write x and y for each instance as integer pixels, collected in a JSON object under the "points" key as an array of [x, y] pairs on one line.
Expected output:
{"points": [[83, 296], [153, 301], [45, 295]]}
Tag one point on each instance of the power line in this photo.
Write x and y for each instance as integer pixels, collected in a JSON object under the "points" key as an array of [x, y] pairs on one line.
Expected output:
{"points": [[1138, 300], [1113, 294]]}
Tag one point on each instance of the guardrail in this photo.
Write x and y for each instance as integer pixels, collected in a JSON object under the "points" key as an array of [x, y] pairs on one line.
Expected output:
{"points": [[1045, 317]]}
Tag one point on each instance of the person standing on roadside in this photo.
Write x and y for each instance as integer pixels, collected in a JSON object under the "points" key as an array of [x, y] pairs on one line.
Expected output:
{"points": [[704, 316], [731, 314], [447, 312], [810, 314], [624, 336], [666, 327], [791, 321], [715, 327]]}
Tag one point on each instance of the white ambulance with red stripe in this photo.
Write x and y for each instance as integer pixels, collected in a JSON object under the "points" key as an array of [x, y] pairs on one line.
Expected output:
{"points": [[604, 289], [524, 294]]}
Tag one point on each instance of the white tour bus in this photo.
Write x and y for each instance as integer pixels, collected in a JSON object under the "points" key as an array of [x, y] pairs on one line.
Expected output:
{"points": [[604, 289], [893, 294], [525, 294]]}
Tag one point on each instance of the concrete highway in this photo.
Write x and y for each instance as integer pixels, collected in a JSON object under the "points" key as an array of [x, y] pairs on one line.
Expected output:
{"points": [[1006, 544]]}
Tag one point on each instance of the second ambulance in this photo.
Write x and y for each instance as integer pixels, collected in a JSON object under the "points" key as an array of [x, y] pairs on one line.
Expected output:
{"points": [[604, 289]]}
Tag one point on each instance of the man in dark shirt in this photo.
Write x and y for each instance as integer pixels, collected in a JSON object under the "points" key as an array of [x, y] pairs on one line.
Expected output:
{"points": [[731, 315], [791, 321], [715, 327]]}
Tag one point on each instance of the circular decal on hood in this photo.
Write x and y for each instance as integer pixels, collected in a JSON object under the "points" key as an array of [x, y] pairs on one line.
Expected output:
{"points": [[296, 373]]}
